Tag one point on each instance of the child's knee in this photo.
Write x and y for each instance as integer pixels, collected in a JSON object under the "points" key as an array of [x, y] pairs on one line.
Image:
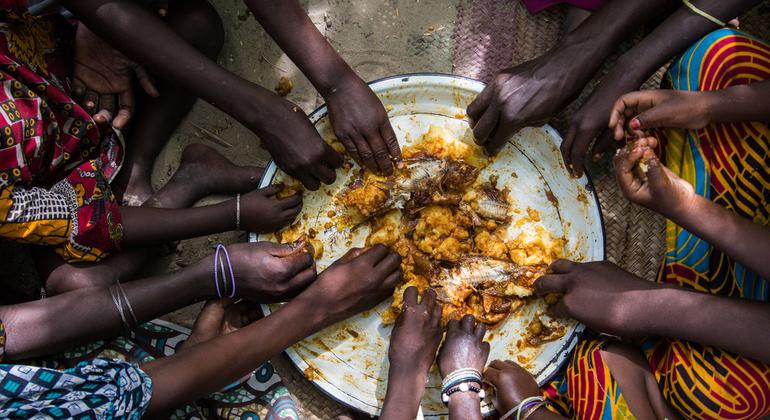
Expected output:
{"points": [[199, 24], [67, 278]]}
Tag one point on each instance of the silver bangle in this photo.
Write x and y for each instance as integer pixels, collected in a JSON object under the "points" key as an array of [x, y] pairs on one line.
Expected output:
{"points": [[119, 305], [237, 212], [128, 304]]}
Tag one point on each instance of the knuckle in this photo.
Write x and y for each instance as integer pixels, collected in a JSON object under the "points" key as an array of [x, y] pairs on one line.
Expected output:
{"points": [[381, 154]]}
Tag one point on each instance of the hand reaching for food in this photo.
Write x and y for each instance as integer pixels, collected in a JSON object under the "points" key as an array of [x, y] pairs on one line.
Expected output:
{"points": [[267, 272], [638, 111], [102, 79], [263, 211], [413, 344], [361, 124], [644, 180], [295, 145], [362, 278], [464, 346], [525, 95], [416, 334], [598, 294]]}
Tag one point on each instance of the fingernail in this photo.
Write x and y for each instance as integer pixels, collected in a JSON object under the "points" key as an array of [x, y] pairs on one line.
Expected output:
{"points": [[635, 123]]}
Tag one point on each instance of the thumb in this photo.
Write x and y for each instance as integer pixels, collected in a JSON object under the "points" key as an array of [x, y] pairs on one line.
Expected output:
{"points": [[551, 283], [655, 175]]}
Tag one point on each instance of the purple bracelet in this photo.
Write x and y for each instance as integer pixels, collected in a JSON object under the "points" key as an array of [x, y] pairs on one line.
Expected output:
{"points": [[232, 275], [216, 271], [217, 260], [528, 405]]}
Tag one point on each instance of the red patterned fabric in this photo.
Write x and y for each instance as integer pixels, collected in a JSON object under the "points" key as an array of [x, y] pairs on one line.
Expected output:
{"points": [[55, 166]]}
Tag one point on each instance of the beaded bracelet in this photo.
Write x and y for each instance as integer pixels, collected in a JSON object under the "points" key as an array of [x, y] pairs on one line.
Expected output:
{"points": [[462, 387]]}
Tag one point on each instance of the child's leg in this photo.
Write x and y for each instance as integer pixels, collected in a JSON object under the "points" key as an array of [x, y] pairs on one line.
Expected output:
{"points": [[198, 23], [202, 172]]}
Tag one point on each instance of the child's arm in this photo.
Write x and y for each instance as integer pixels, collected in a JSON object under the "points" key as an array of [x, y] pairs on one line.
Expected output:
{"points": [[264, 272], [281, 126], [413, 344], [260, 212], [664, 192], [464, 348], [648, 109], [356, 282], [610, 300], [677, 32], [357, 116]]}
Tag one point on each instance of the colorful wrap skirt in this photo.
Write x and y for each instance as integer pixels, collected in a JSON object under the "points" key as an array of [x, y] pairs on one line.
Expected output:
{"points": [[730, 165]]}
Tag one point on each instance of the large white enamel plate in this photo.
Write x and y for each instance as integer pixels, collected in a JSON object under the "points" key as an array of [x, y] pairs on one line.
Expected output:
{"points": [[348, 361]]}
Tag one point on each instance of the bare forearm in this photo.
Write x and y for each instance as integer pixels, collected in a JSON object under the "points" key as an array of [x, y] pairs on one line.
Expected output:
{"points": [[53, 324], [147, 225], [738, 237], [680, 30], [221, 361], [584, 50], [402, 399], [732, 324], [740, 103], [291, 28], [144, 37]]}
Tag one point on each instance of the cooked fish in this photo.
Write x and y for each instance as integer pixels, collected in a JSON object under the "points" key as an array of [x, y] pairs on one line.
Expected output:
{"points": [[419, 182], [456, 282], [493, 205]]}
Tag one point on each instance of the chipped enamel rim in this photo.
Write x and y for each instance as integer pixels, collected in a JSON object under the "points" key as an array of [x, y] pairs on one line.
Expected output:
{"points": [[340, 390]]}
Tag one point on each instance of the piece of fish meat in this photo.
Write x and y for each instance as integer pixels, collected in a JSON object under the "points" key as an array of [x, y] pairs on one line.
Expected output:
{"points": [[456, 282], [418, 182]]}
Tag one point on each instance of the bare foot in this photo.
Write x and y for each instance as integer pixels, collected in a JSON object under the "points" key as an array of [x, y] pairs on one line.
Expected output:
{"points": [[464, 346], [203, 171], [212, 173], [132, 186]]}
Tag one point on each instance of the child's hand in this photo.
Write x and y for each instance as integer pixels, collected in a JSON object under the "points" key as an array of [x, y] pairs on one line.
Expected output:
{"points": [[657, 188], [267, 272], [658, 108], [417, 333], [464, 346], [599, 294], [262, 211], [102, 79], [361, 124], [512, 384], [356, 282], [294, 143]]}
